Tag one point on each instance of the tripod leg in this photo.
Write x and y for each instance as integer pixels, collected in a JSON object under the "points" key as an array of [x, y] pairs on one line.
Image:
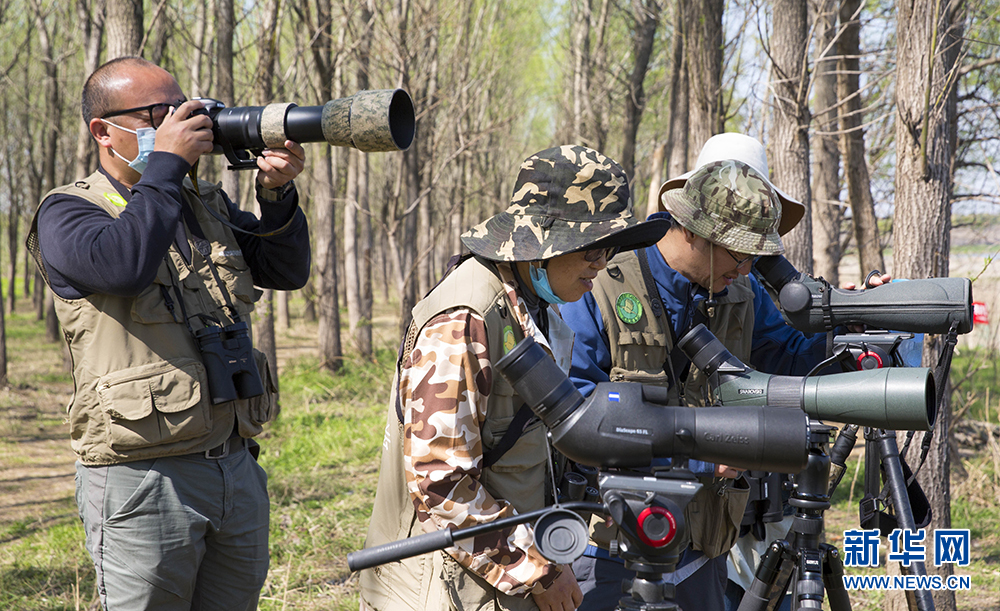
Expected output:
{"points": [[808, 591], [771, 577], [833, 579], [901, 501]]}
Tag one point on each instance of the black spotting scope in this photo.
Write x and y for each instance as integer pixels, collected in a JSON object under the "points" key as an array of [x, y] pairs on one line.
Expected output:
{"points": [[370, 121], [891, 398], [811, 305], [627, 425]]}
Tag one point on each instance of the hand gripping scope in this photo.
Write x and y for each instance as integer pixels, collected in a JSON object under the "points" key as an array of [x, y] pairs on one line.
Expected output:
{"points": [[624, 424], [891, 398], [370, 121], [811, 305]]}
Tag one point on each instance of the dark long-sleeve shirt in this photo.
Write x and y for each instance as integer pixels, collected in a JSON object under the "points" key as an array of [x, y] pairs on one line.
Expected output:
{"points": [[87, 251]]}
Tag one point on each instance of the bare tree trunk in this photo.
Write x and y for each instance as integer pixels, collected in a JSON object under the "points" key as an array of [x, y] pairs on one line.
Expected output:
{"points": [[199, 84], [50, 140], [352, 286], [363, 332], [827, 213], [703, 57], [655, 178], [225, 20], [647, 18], [677, 132], [91, 19], [929, 35], [125, 29], [264, 331], [580, 44], [789, 152], [852, 141], [320, 28]]}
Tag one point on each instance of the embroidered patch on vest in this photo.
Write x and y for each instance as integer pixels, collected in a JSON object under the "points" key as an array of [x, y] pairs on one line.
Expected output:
{"points": [[508, 339], [115, 199], [628, 308]]}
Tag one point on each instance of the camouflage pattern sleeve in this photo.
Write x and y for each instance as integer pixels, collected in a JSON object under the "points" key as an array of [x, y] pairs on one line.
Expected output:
{"points": [[444, 386]]}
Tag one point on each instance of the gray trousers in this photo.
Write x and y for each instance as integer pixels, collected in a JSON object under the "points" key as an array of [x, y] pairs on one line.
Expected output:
{"points": [[178, 533]]}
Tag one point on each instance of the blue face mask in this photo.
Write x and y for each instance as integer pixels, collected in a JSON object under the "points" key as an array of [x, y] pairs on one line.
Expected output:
{"points": [[540, 282], [146, 137]]}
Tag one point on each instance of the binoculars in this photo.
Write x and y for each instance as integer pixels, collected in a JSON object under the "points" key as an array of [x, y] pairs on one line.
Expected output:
{"points": [[227, 353]]}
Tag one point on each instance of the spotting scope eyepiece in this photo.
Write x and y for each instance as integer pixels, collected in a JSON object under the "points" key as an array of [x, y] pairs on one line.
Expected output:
{"points": [[891, 398], [370, 121], [811, 305], [627, 425]]}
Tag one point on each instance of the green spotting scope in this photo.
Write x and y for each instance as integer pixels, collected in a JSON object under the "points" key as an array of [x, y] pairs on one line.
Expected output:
{"points": [[890, 398], [370, 121], [811, 305]]}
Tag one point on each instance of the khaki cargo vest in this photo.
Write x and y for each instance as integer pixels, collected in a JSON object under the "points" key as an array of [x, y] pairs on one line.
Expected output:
{"points": [[638, 352], [140, 388], [435, 581]]}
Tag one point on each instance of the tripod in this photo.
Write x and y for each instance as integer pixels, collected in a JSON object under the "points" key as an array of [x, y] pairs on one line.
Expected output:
{"points": [[800, 557], [881, 450]]}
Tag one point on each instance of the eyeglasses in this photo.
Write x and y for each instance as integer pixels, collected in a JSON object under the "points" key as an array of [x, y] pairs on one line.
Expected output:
{"points": [[594, 254], [739, 262], [157, 112]]}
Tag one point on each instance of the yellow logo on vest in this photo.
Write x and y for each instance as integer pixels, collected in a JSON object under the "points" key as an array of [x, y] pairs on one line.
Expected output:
{"points": [[628, 308], [508, 339], [115, 199]]}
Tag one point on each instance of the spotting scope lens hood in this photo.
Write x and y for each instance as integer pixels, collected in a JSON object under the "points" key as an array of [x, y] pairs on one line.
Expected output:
{"points": [[890, 398]]}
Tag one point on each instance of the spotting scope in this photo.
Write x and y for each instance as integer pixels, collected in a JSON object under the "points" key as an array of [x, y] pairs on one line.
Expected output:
{"points": [[891, 398], [370, 121], [627, 425], [811, 305]]}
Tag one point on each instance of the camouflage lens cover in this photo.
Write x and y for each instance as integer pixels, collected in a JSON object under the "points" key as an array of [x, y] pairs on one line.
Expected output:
{"points": [[729, 203]]}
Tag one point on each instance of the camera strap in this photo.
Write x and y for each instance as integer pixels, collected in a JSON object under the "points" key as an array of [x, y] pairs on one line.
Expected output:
{"points": [[193, 173], [659, 311]]}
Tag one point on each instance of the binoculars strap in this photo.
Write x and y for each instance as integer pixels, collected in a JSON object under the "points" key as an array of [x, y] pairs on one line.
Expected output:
{"points": [[659, 311]]}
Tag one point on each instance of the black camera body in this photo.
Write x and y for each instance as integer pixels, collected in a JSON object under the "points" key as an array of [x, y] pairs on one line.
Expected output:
{"points": [[227, 353]]}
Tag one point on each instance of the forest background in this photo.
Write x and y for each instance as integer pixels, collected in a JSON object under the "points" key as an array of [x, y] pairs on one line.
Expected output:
{"points": [[882, 117]]}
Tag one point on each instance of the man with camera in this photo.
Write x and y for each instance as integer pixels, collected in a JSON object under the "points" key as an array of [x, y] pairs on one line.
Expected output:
{"points": [[722, 216], [153, 275]]}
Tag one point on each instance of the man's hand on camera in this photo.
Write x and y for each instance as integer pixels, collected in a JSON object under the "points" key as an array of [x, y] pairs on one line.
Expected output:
{"points": [[278, 166], [563, 595], [184, 134]]}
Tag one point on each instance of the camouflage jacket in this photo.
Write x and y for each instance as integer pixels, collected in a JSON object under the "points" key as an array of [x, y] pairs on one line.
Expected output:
{"points": [[455, 407]]}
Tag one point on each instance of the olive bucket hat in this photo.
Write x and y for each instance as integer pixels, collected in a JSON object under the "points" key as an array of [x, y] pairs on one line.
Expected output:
{"points": [[729, 203], [750, 151], [566, 199]]}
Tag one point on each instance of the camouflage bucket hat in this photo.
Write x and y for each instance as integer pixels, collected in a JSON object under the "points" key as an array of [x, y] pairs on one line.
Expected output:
{"points": [[750, 151], [566, 199], [729, 203]]}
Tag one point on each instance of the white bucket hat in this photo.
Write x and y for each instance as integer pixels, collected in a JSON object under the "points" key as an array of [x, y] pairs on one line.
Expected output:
{"points": [[750, 151]]}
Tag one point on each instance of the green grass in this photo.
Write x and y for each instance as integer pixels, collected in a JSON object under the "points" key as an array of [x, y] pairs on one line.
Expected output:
{"points": [[975, 373]]}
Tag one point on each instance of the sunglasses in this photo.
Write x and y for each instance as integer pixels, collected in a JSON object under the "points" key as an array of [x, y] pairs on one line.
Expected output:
{"points": [[595, 254], [157, 112]]}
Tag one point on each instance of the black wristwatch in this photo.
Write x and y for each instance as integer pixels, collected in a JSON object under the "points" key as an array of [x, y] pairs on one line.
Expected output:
{"points": [[274, 195]]}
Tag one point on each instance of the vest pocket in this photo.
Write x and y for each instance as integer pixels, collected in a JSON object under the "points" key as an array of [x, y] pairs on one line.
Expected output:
{"points": [[715, 518], [254, 412], [233, 271], [154, 403]]}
